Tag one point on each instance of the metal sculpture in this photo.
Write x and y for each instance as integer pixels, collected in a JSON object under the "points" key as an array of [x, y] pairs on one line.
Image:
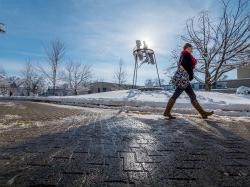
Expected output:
{"points": [[143, 55]]}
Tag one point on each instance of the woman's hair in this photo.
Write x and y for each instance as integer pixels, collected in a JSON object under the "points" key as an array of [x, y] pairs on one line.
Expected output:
{"points": [[187, 45]]}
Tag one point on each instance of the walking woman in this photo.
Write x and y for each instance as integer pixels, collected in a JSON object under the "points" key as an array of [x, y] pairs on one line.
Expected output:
{"points": [[186, 64]]}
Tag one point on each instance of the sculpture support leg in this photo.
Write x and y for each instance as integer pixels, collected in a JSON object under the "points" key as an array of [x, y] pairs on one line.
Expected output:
{"points": [[157, 71], [136, 69], [134, 73]]}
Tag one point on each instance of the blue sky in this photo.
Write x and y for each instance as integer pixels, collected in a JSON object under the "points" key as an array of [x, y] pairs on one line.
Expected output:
{"points": [[96, 32]]}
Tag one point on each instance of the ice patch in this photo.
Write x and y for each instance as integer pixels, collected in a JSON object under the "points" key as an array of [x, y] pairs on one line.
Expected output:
{"points": [[9, 117]]}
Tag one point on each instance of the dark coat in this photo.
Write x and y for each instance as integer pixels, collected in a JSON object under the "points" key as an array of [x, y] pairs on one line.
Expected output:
{"points": [[186, 62]]}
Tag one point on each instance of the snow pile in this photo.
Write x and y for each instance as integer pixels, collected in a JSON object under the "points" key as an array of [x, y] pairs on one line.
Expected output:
{"points": [[243, 90], [150, 100]]}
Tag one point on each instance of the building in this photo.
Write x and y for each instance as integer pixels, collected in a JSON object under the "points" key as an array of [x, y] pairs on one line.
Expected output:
{"points": [[98, 87], [61, 90], [243, 72], [64, 89], [243, 79]]}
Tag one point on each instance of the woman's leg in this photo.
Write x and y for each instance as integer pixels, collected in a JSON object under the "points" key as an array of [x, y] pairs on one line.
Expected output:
{"points": [[189, 90], [171, 103], [177, 93]]}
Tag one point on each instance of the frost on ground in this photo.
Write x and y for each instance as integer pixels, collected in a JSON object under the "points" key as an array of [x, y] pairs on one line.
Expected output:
{"points": [[37, 119], [23, 115]]}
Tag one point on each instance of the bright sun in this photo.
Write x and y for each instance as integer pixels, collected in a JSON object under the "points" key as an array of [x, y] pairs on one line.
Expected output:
{"points": [[147, 37], [148, 41]]}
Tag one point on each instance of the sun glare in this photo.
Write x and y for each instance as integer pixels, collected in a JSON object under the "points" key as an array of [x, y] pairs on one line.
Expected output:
{"points": [[148, 41]]}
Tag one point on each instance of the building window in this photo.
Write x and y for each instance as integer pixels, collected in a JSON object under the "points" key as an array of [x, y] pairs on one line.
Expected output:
{"points": [[104, 89], [99, 90]]}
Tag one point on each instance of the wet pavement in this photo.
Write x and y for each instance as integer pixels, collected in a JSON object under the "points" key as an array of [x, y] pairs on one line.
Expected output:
{"points": [[52, 145]]}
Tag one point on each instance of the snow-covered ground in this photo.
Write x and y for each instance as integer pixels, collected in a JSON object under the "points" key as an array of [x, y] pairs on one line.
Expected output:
{"points": [[243, 90], [153, 100]]}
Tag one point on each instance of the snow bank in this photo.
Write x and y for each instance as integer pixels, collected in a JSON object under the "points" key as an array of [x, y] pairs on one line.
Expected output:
{"points": [[243, 90], [151, 99]]}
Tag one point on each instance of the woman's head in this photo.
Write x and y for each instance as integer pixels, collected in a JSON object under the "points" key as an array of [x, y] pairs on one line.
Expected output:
{"points": [[188, 47]]}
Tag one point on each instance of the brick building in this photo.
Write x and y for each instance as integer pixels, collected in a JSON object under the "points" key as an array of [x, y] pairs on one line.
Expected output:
{"points": [[243, 72]]}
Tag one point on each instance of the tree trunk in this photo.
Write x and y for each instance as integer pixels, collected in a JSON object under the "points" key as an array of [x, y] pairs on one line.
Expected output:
{"points": [[75, 92], [54, 81], [208, 86], [54, 88], [28, 91]]}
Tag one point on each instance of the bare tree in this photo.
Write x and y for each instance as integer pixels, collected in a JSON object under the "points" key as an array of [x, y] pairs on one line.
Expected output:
{"points": [[55, 54], [27, 74], [31, 80], [77, 75], [2, 30], [223, 44], [120, 76], [15, 83]]}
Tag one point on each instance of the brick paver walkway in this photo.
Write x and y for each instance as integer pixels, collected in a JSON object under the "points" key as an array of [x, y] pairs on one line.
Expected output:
{"points": [[94, 147]]}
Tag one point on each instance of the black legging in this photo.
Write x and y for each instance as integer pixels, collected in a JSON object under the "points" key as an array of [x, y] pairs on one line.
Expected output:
{"points": [[189, 90]]}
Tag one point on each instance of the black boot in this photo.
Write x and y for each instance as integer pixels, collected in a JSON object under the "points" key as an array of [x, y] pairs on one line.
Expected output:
{"points": [[202, 112], [168, 109]]}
